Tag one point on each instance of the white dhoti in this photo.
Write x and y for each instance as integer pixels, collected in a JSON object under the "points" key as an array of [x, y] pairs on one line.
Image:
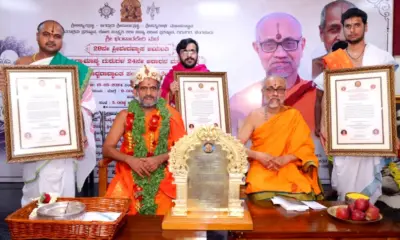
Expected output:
{"points": [[61, 176], [360, 174]]}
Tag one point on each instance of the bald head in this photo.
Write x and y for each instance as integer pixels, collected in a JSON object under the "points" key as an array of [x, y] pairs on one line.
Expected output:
{"points": [[274, 81], [279, 45], [277, 22], [50, 24]]}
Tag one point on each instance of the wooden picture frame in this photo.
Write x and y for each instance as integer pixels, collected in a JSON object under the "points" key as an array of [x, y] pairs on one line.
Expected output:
{"points": [[360, 111], [211, 102], [398, 115], [42, 114]]}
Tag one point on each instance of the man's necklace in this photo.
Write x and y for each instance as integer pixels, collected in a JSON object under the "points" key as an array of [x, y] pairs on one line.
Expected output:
{"points": [[361, 54]]}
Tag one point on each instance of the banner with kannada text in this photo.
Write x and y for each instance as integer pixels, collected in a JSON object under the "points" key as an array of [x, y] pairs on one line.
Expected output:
{"points": [[116, 37]]}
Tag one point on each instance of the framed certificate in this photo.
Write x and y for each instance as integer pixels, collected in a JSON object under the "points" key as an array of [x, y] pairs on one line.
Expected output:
{"points": [[360, 111], [203, 99], [42, 113]]}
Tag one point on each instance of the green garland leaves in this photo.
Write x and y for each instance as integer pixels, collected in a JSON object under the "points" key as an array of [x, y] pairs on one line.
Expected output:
{"points": [[149, 185]]}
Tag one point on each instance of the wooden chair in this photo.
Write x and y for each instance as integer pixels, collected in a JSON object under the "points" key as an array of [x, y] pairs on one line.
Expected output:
{"points": [[103, 176]]}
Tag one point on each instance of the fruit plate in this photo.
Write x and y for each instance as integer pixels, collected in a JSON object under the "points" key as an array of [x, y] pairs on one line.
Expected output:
{"points": [[332, 211]]}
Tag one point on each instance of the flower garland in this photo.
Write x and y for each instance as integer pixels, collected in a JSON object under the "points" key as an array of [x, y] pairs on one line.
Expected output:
{"points": [[395, 172], [147, 187]]}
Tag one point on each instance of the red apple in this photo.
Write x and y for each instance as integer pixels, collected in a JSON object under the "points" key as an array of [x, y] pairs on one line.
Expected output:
{"points": [[45, 198], [372, 213], [342, 213], [361, 204], [357, 215], [351, 208]]}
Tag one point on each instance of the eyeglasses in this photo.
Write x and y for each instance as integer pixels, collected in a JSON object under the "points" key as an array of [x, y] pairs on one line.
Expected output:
{"points": [[287, 44], [145, 89], [188, 52], [271, 90]]}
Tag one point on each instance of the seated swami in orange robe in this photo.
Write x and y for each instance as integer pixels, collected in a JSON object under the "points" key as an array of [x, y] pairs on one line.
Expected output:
{"points": [[282, 159], [149, 128]]}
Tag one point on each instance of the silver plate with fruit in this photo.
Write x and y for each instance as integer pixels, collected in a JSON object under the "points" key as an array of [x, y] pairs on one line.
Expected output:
{"points": [[69, 210], [359, 212]]}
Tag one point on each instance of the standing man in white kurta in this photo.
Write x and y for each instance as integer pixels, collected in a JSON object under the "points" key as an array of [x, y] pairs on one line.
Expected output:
{"points": [[356, 174], [59, 176]]}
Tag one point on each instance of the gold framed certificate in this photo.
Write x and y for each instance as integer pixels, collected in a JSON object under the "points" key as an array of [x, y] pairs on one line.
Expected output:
{"points": [[361, 111], [202, 99], [42, 113]]}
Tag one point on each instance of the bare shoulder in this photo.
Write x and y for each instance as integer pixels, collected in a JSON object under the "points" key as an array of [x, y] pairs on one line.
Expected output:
{"points": [[255, 114], [122, 114], [24, 60]]}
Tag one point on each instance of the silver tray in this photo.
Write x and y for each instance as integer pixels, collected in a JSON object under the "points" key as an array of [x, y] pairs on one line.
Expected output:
{"points": [[70, 210]]}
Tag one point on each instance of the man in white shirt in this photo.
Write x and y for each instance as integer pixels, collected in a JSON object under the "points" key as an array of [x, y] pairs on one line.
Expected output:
{"points": [[350, 173], [59, 176]]}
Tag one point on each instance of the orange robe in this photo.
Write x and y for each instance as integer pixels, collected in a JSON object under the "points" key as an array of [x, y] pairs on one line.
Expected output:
{"points": [[332, 61], [123, 185], [285, 133], [301, 96]]}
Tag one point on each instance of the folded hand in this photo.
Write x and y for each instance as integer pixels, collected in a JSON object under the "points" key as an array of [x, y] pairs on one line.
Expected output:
{"points": [[267, 161], [138, 166], [151, 163]]}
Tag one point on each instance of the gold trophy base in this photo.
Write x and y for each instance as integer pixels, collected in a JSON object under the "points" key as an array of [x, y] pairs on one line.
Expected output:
{"points": [[203, 221]]}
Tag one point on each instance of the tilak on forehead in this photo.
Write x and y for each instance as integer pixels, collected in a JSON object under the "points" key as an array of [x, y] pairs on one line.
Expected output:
{"points": [[278, 35]]}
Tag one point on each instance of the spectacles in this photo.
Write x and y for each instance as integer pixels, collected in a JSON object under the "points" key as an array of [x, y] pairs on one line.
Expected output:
{"points": [[188, 52], [271, 90], [145, 89], [287, 45]]}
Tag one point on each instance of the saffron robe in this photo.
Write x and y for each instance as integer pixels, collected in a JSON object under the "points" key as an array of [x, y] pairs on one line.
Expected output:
{"points": [[286, 133], [123, 184]]}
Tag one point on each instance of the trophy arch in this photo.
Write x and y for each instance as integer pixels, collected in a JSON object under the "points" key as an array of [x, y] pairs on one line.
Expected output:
{"points": [[237, 167]]}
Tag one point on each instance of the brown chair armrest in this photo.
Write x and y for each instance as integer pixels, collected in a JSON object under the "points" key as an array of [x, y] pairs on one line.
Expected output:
{"points": [[103, 176]]}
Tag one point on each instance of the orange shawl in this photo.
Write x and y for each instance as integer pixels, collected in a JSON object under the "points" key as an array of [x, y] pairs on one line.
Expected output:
{"points": [[332, 61], [283, 134], [337, 60], [123, 185]]}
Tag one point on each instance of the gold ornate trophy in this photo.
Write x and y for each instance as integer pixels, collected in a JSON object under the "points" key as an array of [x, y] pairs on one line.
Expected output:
{"points": [[209, 167]]}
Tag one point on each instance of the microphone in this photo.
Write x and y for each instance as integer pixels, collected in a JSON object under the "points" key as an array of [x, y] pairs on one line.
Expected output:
{"points": [[340, 44]]}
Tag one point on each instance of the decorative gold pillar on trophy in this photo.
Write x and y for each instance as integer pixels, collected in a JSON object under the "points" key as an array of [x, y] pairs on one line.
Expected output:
{"points": [[209, 167]]}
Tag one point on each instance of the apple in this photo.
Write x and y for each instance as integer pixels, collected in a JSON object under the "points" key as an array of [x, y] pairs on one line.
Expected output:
{"points": [[45, 198], [357, 215], [350, 208], [372, 213], [342, 213], [361, 204]]}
